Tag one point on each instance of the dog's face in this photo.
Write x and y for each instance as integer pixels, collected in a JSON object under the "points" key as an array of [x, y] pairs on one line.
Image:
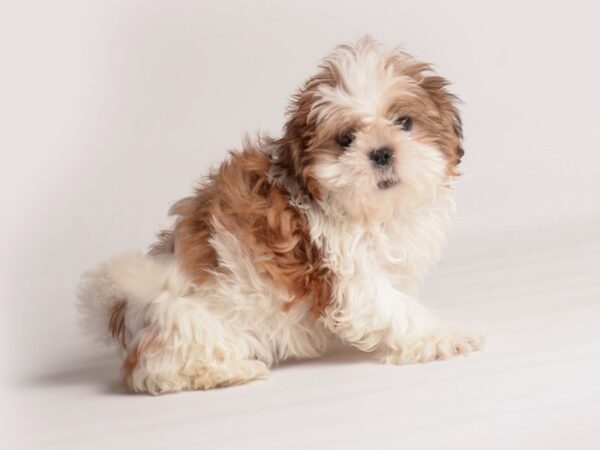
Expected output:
{"points": [[373, 132]]}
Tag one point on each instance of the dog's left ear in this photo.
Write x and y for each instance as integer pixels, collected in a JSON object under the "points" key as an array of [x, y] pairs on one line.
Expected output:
{"points": [[451, 135]]}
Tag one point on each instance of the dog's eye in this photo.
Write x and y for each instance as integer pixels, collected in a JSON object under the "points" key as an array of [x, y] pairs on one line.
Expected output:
{"points": [[345, 139], [404, 122]]}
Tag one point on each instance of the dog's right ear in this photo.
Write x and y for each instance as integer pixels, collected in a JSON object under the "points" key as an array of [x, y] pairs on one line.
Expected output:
{"points": [[299, 131]]}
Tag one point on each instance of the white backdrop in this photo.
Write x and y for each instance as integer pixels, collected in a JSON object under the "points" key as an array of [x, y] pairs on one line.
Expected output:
{"points": [[112, 109]]}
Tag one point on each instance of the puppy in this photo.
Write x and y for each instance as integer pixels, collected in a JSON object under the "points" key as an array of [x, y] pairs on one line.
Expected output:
{"points": [[295, 243]]}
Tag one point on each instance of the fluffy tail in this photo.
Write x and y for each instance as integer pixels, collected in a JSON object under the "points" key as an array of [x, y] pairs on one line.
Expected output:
{"points": [[113, 297]]}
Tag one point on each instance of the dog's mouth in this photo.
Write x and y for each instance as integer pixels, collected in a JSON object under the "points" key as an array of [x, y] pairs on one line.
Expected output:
{"points": [[387, 183]]}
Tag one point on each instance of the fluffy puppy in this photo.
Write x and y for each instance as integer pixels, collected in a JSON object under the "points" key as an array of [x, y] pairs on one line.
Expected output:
{"points": [[295, 243]]}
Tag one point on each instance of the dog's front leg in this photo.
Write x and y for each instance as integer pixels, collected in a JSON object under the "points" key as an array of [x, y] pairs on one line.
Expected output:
{"points": [[375, 316]]}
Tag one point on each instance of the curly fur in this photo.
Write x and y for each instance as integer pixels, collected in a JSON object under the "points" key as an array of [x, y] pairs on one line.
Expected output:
{"points": [[298, 242]]}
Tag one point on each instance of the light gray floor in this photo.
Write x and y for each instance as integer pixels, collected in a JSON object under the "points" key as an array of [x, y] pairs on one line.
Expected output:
{"points": [[535, 385]]}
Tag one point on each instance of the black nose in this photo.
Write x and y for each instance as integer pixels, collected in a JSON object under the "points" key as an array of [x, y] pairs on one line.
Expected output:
{"points": [[382, 156]]}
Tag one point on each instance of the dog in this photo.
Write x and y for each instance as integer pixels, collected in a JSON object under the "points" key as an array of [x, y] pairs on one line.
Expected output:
{"points": [[300, 242]]}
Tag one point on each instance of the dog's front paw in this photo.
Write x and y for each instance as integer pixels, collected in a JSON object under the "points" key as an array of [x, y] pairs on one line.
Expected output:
{"points": [[443, 342]]}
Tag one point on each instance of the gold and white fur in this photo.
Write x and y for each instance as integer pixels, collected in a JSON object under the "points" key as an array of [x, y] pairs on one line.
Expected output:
{"points": [[377, 242]]}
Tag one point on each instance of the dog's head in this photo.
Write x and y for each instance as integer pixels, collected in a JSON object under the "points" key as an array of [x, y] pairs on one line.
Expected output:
{"points": [[373, 131]]}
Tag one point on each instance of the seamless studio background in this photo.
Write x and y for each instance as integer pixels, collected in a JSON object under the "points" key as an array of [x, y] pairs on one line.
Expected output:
{"points": [[112, 110]]}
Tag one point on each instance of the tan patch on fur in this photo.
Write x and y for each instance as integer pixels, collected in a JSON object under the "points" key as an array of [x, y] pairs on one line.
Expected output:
{"points": [[193, 230], [165, 244], [135, 355], [241, 200], [297, 149], [129, 364], [116, 323], [448, 128]]}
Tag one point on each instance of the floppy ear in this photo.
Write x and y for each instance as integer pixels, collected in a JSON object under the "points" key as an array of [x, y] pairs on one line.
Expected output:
{"points": [[451, 135], [299, 131]]}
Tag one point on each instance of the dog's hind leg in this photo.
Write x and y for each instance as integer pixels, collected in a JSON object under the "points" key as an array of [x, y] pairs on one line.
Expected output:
{"points": [[156, 369], [226, 373]]}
